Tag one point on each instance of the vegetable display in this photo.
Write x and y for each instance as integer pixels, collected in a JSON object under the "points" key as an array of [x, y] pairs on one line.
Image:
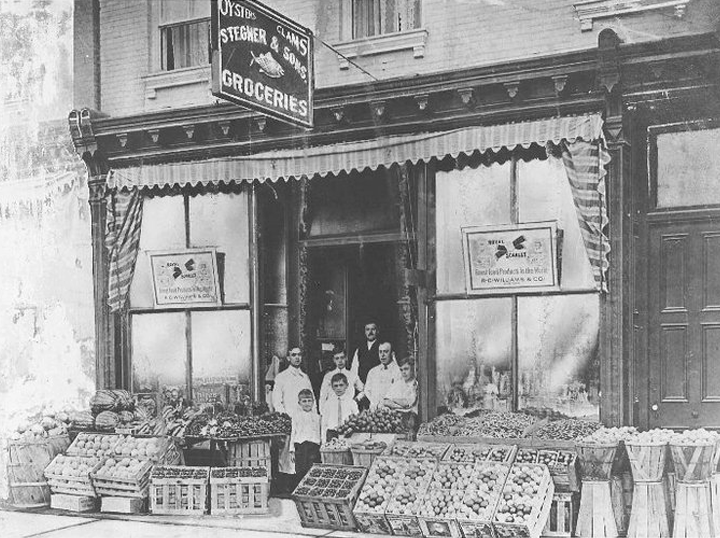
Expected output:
{"points": [[375, 421]]}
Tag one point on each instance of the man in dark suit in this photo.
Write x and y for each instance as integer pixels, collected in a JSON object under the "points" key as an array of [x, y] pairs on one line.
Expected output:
{"points": [[367, 354]]}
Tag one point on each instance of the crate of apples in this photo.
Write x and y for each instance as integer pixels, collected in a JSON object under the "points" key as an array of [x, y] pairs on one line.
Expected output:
{"points": [[524, 504], [563, 468], [141, 448], [438, 511], [474, 453], [384, 475], [402, 510], [98, 445], [417, 449], [481, 498]]}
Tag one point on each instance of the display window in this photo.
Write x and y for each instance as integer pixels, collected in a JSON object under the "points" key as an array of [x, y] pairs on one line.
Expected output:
{"points": [[514, 350], [203, 351]]}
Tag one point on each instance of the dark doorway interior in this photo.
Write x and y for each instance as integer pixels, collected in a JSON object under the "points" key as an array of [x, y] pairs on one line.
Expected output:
{"points": [[350, 285]]}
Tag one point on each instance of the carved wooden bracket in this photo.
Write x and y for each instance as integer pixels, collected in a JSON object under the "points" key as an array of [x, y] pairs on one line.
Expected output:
{"points": [[122, 139], [467, 95], [512, 89], [559, 81], [422, 101], [224, 127], [154, 135], [260, 122], [614, 128], [189, 131], [609, 66]]}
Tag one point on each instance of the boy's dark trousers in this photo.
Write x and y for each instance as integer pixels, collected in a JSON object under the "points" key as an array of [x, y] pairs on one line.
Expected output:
{"points": [[306, 454]]}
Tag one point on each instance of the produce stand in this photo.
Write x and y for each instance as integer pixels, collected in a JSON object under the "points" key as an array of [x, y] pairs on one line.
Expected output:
{"points": [[177, 490], [531, 489]]}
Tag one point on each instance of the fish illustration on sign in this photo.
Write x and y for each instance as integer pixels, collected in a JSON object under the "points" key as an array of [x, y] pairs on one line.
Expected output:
{"points": [[267, 64]]}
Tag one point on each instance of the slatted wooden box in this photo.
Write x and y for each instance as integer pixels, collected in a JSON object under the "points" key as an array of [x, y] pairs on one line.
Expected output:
{"points": [[326, 495], [236, 490], [177, 490], [73, 503], [475, 520], [480, 453], [563, 515], [135, 486], [249, 453], [535, 522], [62, 482]]}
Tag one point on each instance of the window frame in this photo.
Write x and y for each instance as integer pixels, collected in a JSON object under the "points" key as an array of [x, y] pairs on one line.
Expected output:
{"points": [[163, 30], [126, 373], [514, 159]]}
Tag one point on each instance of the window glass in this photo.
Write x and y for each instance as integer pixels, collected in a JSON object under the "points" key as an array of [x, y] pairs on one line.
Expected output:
{"points": [[373, 17], [185, 45], [221, 354], [544, 194], [688, 171], [162, 228], [221, 221], [558, 354], [474, 349], [466, 197], [158, 351]]}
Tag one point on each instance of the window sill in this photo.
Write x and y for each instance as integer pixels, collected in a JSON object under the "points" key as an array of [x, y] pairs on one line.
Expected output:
{"points": [[412, 39], [589, 10], [175, 78]]}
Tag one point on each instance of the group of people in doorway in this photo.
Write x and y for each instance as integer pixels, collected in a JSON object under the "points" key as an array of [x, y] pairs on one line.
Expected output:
{"points": [[373, 379]]}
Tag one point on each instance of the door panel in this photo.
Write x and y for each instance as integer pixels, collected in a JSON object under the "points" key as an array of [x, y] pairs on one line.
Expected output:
{"points": [[684, 321]]}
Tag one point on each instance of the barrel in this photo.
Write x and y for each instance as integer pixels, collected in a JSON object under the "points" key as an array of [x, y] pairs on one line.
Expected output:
{"points": [[27, 460]]}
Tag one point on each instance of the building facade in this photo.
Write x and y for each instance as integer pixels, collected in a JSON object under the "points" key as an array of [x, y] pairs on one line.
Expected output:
{"points": [[520, 196]]}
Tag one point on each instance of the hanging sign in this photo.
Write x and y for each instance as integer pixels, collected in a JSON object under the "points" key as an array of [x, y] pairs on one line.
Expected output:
{"points": [[262, 60], [185, 278], [514, 258]]}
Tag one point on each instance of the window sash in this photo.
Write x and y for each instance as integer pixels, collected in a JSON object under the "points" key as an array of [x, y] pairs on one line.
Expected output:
{"points": [[376, 17], [185, 45]]}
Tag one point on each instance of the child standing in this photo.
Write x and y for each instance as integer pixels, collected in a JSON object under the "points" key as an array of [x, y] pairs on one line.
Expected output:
{"points": [[338, 405], [403, 393], [305, 436], [354, 382]]}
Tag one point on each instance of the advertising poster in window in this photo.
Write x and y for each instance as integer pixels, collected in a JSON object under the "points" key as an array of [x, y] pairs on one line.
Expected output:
{"points": [[185, 278], [262, 60], [512, 258]]}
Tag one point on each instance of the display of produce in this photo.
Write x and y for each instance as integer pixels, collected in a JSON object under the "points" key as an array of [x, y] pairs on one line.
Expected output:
{"points": [[82, 420], [173, 471], [442, 425], [522, 492], [111, 400], [122, 468], [608, 436], [407, 449], [694, 454], [452, 476], [107, 420], [71, 466], [382, 478], [328, 481], [526, 455], [569, 429], [373, 421], [544, 412], [238, 472], [696, 437], [140, 447], [483, 492], [231, 426], [651, 437], [480, 453], [337, 443], [405, 501], [496, 424], [46, 424], [417, 473], [93, 444], [441, 503]]}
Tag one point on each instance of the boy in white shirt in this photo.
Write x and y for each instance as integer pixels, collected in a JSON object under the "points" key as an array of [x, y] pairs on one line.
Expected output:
{"points": [[305, 436], [403, 393], [337, 407], [341, 368], [380, 378]]}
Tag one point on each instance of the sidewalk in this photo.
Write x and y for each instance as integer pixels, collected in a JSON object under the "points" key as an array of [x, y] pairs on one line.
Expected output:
{"points": [[281, 522]]}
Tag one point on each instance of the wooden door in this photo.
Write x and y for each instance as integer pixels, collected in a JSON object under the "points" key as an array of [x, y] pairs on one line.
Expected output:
{"points": [[684, 319]]}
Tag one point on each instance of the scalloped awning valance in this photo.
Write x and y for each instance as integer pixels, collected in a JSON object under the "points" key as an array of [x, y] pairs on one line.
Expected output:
{"points": [[349, 156]]}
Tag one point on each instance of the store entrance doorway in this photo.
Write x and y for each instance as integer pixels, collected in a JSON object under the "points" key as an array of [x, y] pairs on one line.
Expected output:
{"points": [[349, 286], [684, 319]]}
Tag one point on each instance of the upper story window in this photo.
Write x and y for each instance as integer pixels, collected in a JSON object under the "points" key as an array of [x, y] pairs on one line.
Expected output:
{"points": [[184, 33], [376, 17]]}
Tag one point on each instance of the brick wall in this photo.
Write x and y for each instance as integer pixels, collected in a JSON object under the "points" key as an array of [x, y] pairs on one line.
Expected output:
{"points": [[461, 34]]}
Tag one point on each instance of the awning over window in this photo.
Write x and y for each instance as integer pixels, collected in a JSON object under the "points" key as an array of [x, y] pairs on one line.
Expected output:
{"points": [[381, 151]]}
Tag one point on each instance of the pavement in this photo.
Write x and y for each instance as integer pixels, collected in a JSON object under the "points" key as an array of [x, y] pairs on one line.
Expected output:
{"points": [[281, 522]]}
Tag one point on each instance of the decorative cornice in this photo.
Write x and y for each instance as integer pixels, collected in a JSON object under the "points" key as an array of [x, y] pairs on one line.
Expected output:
{"points": [[589, 10]]}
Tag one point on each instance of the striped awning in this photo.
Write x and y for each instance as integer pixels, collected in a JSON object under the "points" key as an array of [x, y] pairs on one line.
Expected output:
{"points": [[350, 156]]}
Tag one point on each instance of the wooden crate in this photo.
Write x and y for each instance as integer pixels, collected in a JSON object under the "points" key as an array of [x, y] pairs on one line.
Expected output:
{"points": [[185, 494], [325, 512], [478, 523], [113, 486], [363, 457], [538, 517], [105, 443], [563, 515], [72, 485], [123, 505], [693, 463], [415, 449], [73, 503], [249, 453], [564, 475], [436, 527], [232, 494], [401, 517]]}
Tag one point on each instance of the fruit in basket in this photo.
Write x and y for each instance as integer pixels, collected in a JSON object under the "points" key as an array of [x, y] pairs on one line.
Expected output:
{"points": [[609, 436], [699, 436], [372, 421], [337, 443], [520, 494], [651, 437]]}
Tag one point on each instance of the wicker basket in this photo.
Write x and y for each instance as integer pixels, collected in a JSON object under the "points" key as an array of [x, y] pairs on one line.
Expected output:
{"points": [[596, 461], [693, 463]]}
